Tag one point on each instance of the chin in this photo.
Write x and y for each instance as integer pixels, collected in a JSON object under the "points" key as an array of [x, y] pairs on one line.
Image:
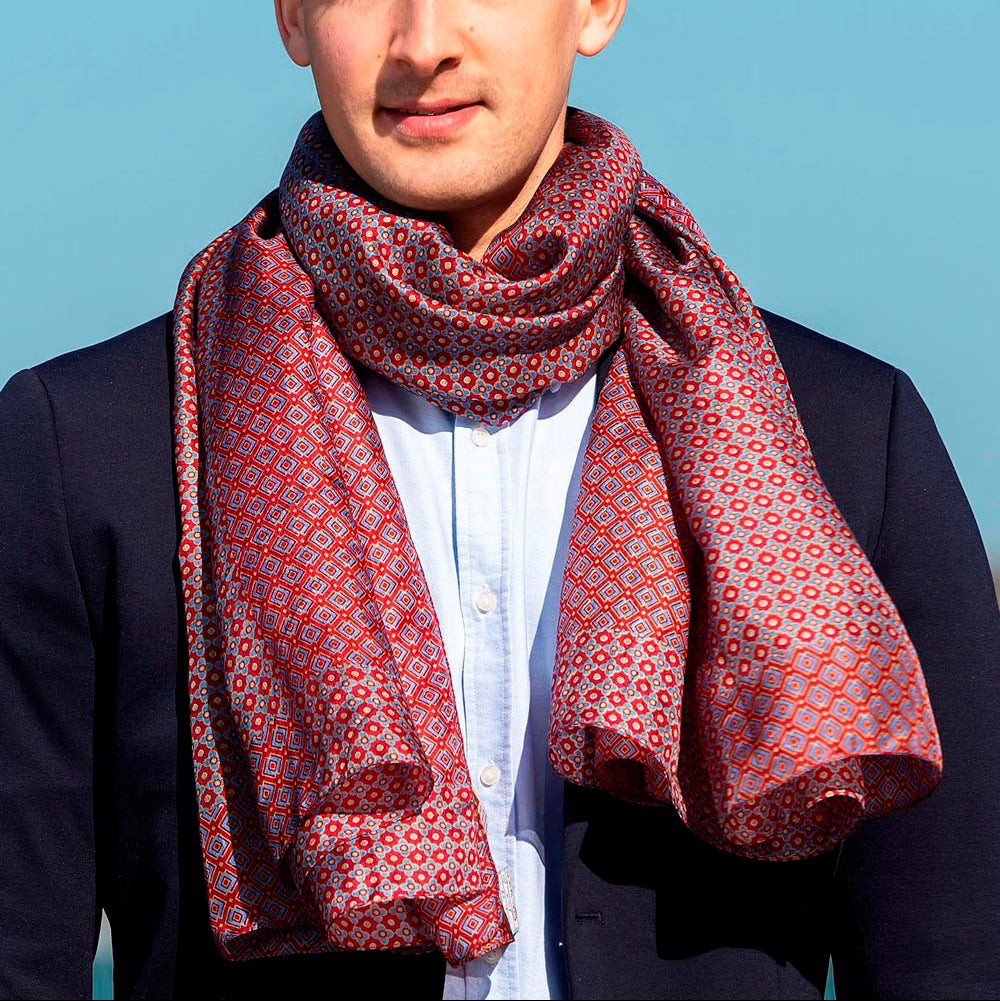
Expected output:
{"points": [[446, 191]]}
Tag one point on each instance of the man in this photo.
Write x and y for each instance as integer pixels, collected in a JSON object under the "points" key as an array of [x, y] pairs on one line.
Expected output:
{"points": [[445, 599]]}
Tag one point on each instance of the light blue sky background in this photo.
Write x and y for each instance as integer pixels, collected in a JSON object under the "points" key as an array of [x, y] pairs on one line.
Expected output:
{"points": [[842, 157]]}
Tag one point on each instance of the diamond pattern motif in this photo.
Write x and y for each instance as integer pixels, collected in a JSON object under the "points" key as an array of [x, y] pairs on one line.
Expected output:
{"points": [[723, 643]]}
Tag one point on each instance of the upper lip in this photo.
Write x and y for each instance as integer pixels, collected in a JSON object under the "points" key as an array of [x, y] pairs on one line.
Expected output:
{"points": [[427, 107]]}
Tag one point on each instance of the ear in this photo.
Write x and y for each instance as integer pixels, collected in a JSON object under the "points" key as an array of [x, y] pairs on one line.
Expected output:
{"points": [[290, 15], [600, 22]]}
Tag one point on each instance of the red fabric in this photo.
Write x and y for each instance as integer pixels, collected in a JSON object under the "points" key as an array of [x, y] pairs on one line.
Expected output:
{"points": [[723, 646]]}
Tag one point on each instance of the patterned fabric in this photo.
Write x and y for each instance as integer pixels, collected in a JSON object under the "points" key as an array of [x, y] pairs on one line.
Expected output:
{"points": [[723, 646]]}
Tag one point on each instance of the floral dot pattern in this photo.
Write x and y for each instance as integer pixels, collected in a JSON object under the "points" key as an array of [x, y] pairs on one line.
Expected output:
{"points": [[724, 646]]}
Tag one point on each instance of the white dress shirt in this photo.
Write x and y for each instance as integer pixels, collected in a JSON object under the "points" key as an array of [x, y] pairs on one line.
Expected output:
{"points": [[490, 512]]}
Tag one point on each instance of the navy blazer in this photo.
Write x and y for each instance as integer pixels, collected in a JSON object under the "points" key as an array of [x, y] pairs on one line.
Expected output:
{"points": [[98, 804]]}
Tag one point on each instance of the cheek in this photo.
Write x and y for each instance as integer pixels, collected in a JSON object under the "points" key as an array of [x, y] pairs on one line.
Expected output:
{"points": [[535, 64], [345, 66]]}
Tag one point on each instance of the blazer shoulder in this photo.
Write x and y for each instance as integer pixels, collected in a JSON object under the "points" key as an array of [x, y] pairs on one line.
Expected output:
{"points": [[844, 398], [111, 409], [131, 367], [813, 359]]}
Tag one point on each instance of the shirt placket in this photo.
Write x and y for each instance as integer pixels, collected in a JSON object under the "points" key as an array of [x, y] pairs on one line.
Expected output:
{"points": [[483, 544]]}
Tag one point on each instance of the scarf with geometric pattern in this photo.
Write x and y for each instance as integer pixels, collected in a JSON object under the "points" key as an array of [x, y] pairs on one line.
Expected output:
{"points": [[724, 646]]}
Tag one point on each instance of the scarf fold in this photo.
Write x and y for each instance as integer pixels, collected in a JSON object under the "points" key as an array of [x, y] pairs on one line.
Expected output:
{"points": [[723, 643]]}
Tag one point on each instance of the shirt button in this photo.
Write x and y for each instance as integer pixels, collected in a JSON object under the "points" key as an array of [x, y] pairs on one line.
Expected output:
{"points": [[486, 600], [481, 435], [490, 775], [493, 956]]}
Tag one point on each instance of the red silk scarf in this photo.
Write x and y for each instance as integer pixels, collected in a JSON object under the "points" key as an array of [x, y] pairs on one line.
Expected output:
{"points": [[724, 645]]}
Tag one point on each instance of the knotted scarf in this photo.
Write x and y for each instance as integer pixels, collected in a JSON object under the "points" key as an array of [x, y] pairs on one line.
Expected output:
{"points": [[724, 646]]}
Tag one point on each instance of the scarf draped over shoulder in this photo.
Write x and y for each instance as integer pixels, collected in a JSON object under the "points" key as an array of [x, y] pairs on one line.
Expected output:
{"points": [[724, 647]]}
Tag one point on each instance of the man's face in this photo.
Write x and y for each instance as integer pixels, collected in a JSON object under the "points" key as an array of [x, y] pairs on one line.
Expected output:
{"points": [[443, 105]]}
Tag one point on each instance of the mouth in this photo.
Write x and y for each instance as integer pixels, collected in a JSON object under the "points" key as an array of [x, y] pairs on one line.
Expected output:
{"points": [[426, 120], [438, 108]]}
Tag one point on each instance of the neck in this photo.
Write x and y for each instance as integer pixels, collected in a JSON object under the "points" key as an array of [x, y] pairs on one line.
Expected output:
{"points": [[473, 229]]}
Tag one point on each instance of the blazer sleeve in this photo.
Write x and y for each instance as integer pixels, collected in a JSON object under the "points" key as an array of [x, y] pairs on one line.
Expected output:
{"points": [[49, 914], [919, 891]]}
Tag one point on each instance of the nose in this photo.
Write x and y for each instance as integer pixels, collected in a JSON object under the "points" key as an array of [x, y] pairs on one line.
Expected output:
{"points": [[427, 36]]}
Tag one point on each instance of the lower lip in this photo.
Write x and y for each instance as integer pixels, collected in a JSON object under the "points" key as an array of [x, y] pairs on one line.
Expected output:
{"points": [[431, 126]]}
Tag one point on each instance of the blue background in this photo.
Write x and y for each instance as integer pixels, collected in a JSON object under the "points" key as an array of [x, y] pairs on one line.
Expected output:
{"points": [[841, 157]]}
